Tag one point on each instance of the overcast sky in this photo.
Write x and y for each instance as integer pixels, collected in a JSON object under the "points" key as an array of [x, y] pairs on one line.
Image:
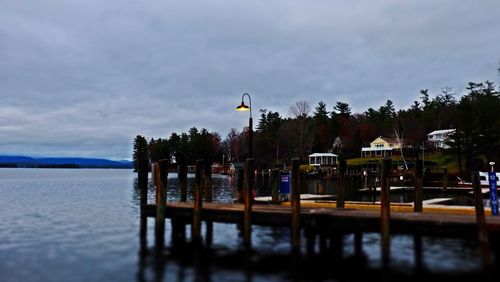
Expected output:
{"points": [[82, 78]]}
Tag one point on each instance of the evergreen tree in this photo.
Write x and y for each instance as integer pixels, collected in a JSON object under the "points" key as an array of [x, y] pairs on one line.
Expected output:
{"points": [[141, 154], [322, 139]]}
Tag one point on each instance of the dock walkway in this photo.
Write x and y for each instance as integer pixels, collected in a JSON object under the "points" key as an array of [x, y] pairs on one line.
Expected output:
{"points": [[346, 220]]}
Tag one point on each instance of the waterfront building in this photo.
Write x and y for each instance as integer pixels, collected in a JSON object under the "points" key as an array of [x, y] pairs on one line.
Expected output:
{"points": [[381, 147], [438, 138], [322, 159]]}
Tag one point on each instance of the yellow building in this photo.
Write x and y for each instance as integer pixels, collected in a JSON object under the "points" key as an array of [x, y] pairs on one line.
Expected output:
{"points": [[381, 147]]}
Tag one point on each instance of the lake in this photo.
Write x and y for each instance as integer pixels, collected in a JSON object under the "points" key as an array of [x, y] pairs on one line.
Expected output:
{"points": [[83, 225]]}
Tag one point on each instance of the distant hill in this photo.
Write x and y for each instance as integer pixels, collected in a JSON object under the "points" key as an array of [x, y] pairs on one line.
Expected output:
{"points": [[22, 161]]}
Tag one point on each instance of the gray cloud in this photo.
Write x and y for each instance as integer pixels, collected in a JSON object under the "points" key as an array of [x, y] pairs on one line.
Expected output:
{"points": [[82, 78]]}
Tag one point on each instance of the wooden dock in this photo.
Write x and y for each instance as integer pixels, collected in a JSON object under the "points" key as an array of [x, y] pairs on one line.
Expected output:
{"points": [[326, 220], [347, 220]]}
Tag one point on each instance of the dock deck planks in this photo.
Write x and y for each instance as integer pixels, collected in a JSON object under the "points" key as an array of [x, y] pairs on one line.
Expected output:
{"points": [[346, 220]]}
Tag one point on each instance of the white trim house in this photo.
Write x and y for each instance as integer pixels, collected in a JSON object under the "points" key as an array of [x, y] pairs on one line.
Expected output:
{"points": [[438, 138], [322, 159]]}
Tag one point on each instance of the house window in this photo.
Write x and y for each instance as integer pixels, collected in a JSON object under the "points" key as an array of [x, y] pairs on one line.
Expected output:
{"points": [[379, 146]]}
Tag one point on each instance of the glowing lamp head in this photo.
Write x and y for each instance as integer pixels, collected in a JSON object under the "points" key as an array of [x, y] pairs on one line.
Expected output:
{"points": [[243, 107]]}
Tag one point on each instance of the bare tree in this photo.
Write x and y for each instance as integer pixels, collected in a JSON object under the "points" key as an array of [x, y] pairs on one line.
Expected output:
{"points": [[300, 112], [399, 137], [300, 109]]}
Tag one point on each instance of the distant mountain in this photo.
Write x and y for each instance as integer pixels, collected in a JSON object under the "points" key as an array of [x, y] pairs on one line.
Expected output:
{"points": [[23, 161]]}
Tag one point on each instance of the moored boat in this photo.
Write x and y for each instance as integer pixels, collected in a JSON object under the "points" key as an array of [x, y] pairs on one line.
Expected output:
{"points": [[483, 177]]}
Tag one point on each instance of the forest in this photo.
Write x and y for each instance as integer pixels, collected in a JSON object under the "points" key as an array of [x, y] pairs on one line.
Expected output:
{"points": [[335, 128]]}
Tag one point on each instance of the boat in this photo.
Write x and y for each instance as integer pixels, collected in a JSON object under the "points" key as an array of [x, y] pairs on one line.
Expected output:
{"points": [[483, 177]]}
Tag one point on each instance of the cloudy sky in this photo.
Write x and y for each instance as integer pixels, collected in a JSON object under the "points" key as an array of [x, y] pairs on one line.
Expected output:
{"points": [[82, 78]]}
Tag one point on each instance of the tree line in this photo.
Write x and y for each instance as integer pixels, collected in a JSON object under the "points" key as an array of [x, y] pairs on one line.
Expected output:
{"points": [[336, 129]]}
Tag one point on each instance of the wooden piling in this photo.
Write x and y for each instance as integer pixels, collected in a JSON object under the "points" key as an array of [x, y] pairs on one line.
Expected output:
{"points": [[295, 201], [323, 249], [143, 246], [486, 256], [365, 179], [182, 177], [419, 173], [161, 201], [207, 189], [418, 254], [341, 184], [337, 245], [358, 244], [198, 192], [445, 178], [248, 199], [373, 184], [385, 209], [209, 226], [275, 186], [142, 180], [310, 236], [178, 235], [241, 178], [143, 234]]}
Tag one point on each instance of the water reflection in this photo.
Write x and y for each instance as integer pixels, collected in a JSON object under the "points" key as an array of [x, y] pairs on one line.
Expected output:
{"points": [[339, 257]]}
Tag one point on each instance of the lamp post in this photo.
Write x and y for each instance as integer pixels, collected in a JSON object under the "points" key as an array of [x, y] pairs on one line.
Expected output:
{"points": [[242, 108]]}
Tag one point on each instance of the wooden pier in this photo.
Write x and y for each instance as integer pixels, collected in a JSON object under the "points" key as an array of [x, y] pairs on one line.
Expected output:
{"points": [[441, 223], [325, 220]]}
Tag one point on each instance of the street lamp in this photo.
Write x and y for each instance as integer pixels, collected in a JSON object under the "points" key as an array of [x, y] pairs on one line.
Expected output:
{"points": [[243, 108]]}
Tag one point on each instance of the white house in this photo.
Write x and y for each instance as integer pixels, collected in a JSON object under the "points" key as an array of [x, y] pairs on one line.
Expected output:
{"points": [[322, 159], [438, 138]]}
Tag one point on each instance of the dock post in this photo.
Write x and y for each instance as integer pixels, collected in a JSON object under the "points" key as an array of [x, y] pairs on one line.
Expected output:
{"points": [[418, 254], [445, 178], [208, 181], [365, 179], [274, 186], [341, 184], [323, 244], [310, 235], [385, 210], [182, 177], [483, 239], [241, 178], [209, 226], [419, 173], [373, 184], [358, 243], [198, 192], [143, 234], [295, 201], [142, 179], [143, 247], [161, 201], [337, 245], [248, 201], [178, 234]]}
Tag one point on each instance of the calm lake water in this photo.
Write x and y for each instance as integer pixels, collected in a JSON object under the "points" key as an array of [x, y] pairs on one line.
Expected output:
{"points": [[83, 225]]}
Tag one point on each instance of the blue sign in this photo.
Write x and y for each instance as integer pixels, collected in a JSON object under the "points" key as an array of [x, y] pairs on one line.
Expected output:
{"points": [[493, 192], [285, 183]]}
